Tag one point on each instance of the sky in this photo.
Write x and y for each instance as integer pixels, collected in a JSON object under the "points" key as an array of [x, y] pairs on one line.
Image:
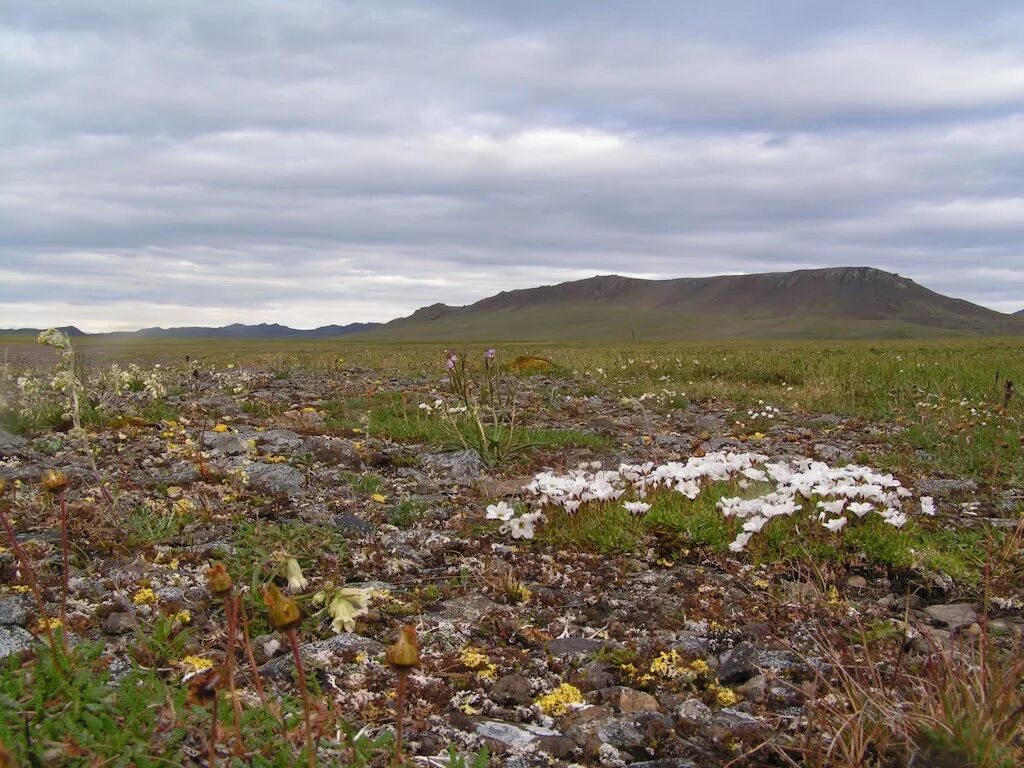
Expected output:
{"points": [[317, 162]]}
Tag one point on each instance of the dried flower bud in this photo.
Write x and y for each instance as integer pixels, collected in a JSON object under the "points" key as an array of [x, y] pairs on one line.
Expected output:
{"points": [[6, 758], [54, 480], [405, 654], [282, 611], [3, 486], [218, 580], [202, 689]]}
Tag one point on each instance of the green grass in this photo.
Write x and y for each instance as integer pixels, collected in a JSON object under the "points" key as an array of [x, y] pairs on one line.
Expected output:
{"points": [[675, 524]]}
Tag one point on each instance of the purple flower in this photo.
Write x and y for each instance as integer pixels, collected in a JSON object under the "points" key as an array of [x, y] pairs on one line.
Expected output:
{"points": [[489, 354], [452, 360]]}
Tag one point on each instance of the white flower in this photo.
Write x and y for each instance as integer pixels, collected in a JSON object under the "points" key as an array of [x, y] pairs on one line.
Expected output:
{"points": [[833, 507], [898, 520], [296, 581], [522, 527], [927, 505], [636, 507], [860, 508], [345, 606], [741, 542], [755, 524], [835, 525], [500, 511]]}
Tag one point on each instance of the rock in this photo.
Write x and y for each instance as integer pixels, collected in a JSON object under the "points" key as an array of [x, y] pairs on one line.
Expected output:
{"points": [[512, 689], [304, 421], [739, 665], [694, 711], [275, 478], [691, 644], [331, 450], [564, 646], [593, 676], [711, 424], [953, 615], [323, 654], [470, 608], [832, 454], [495, 488], [526, 736], [346, 522], [184, 473], [755, 689], [947, 487], [14, 640], [857, 582], [280, 440], [457, 467], [118, 623], [627, 700], [220, 444], [730, 723], [13, 612], [12, 446], [668, 762]]}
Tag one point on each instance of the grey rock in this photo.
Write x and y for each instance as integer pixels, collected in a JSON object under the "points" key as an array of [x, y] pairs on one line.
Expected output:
{"points": [[953, 615], [857, 582], [739, 665], [178, 474], [668, 762], [275, 478], [594, 675], [13, 445], [13, 612], [498, 488], [694, 711], [323, 654], [692, 644], [946, 487], [564, 646], [832, 454], [458, 467], [227, 443], [711, 424], [512, 689], [14, 640], [526, 736], [347, 522], [118, 623], [470, 608], [732, 722], [280, 440], [755, 689], [628, 700], [331, 450]]}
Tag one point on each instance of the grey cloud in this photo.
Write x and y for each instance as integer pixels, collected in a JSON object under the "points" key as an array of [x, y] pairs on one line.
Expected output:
{"points": [[352, 158]]}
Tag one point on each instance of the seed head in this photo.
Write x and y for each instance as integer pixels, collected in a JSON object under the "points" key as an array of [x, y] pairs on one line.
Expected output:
{"points": [[405, 654], [283, 611], [54, 480], [218, 580]]}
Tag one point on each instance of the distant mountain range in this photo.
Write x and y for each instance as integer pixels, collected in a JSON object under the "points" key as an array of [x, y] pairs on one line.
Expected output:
{"points": [[235, 331], [837, 303]]}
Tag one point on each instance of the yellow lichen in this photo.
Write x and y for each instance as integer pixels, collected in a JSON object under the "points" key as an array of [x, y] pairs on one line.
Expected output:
{"points": [[144, 596], [196, 663], [557, 702]]}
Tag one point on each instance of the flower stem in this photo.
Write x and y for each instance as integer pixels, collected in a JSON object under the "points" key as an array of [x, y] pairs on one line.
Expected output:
{"points": [[64, 554], [306, 705], [231, 603], [399, 715]]}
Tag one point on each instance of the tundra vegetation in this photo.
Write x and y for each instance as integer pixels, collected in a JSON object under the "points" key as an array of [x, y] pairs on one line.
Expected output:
{"points": [[342, 553]]}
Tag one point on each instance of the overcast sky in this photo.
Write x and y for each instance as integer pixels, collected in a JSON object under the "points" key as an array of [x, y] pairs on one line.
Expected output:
{"points": [[312, 162]]}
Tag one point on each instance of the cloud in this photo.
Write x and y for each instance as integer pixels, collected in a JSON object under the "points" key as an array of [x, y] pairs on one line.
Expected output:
{"points": [[331, 162]]}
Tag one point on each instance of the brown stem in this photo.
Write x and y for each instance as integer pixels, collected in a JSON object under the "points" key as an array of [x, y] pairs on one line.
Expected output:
{"points": [[306, 705], [212, 756], [64, 554], [399, 715], [29, 573], [231, 612], [248, 651]]}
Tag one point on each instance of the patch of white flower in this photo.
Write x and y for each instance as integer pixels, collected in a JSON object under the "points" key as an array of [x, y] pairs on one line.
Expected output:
{"points": [[833, 497], [763, 411]]}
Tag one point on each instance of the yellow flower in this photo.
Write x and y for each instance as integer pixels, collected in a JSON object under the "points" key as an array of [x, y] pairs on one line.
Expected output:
{"points": [[182, 617], [221, 428], [144, 596], [725, 697], [557, 702], [380, 498], [43, 624], [183, 507], [196, 663], [20, 588]]}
